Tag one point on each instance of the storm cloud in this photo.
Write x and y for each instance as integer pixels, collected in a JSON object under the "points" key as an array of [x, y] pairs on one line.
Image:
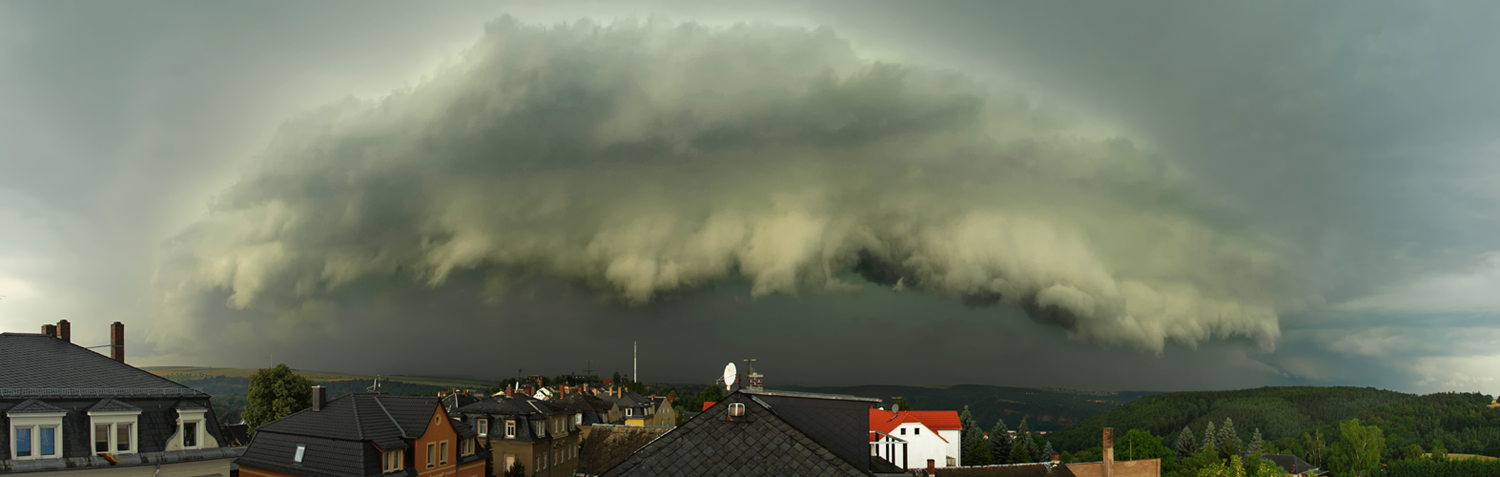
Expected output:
{"points": [[638, 158]]}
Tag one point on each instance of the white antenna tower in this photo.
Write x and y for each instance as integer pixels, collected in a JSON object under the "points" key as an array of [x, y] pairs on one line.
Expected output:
{"points": [[635, 361]]}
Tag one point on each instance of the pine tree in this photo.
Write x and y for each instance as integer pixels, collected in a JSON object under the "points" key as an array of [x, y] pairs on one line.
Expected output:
{"points": [[1047, 453], [1209, 437], [1229, 442], [1026, 443], [1018, 452], [1257, 445], [970, 433], [1186, 444], [1000, 442], [979, 454]]}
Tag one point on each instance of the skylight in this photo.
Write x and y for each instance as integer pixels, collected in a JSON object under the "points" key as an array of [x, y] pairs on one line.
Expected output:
{"points": [[301, 449]]}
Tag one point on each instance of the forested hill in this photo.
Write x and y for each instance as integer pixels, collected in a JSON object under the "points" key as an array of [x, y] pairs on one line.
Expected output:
{"points": [[1044, 409], [1465, 423], [1279, 412]]}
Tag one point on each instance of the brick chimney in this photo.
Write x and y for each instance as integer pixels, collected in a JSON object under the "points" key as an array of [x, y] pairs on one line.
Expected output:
{"points": [[117, 341], [65, 331], [319, 398], [1109, 452], [49, 330], [1057, 457]]}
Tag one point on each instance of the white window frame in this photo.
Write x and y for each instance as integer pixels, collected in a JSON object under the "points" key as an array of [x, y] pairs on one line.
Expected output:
{"points": [[510, 430], [195, 416], [540, 428], [484, 427], [34, 422], [628, 412], [578, 419], [113, 419]]}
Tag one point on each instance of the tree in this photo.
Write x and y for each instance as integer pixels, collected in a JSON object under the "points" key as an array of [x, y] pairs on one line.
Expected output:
{"points": [[489, 463], [978, 454], [1412, 452], [971, 432], [901, 404], [1257, 445], [516, 470], [276, 392], [1233, 468], [1141, 444], [1026, 443], [1229, 440], [1047, 453], [1187, 445], [1313, 448], [1210, 437], [1439, 452], [1000, 443], [1359, 449], [1204, 458], [1018, 453]]}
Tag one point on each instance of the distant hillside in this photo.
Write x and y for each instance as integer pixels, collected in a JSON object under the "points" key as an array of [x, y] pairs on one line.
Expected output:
{"points": [[229, 386], [1279, 412], [1463, 421], [1044, 409]]}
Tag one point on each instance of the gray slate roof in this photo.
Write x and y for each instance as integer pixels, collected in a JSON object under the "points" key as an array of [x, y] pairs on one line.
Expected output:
{"points": [[760, 444], [32, 406], [339, 436], [608, 445], [112, 405], [34, 365]]}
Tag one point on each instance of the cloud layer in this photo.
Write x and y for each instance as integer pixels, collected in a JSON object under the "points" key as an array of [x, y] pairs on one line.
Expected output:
{"points": [[638, 159]]}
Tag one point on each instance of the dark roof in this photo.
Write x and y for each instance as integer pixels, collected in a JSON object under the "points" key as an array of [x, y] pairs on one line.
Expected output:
{"points": [[380, 418], [186, 405], [157, 423], [1008, 470], [237, 434], [517, 405], [1287, 462], [112, 405], [32, 406], [839, 422], [581, 402], [458, 400], [759, 444], [881, 466], [608, 445], [336, 435], [629, 399], [39, 366]]}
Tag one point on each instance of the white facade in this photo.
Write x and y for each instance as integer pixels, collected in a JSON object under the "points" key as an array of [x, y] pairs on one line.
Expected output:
{"points": [[921, 444]]}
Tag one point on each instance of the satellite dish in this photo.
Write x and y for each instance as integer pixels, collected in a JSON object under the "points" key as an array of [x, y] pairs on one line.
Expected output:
{"points": [[729, 374]]}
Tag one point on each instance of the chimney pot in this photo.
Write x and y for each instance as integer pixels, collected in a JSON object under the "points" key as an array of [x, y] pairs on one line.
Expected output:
{"points": [[117, 341], [65, 330], [49, 330], [319, 398]]}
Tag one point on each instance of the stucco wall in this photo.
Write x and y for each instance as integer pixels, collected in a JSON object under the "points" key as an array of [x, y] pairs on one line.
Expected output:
{"points": [[1123, 468]]}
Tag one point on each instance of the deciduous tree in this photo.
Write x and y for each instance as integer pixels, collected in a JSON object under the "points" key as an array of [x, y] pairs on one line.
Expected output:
{"points": [[276, 392]]}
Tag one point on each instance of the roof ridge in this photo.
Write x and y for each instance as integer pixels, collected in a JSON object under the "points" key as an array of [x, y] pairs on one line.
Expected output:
{"points": [[359, 429], [389, 416]]}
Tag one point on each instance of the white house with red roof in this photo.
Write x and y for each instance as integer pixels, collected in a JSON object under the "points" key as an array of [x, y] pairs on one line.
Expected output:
{"points": [[909, 438]]}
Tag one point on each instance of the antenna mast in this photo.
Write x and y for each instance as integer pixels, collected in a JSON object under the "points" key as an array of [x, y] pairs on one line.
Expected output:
{"points": [[635, 361]]}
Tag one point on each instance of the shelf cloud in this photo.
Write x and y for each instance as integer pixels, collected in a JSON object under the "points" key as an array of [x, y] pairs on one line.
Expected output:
{"points": [[639, 159]]}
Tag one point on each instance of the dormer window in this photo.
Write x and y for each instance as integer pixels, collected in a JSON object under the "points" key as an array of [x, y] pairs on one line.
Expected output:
{"points": [[483, 426], [541, 429], [629, 412], [190, 428], [395, 460], [510, 429], [35, 430], [578, 419], [114, 427]]}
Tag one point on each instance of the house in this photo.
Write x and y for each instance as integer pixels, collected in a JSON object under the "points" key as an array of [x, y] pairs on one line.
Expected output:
{"points": [[456, 399], [588, 410], [520, 428], [927, 435], [1290, 464], [608, 445], [69, 410], [365, 434], [663, 414], [766, 433], [639, 410]]}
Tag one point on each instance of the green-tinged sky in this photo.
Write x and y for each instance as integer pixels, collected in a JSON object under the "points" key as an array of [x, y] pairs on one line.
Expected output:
{"points": [[1097, 195]]}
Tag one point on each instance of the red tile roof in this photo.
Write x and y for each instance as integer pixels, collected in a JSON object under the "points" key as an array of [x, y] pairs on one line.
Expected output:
{"points": [[886, 421]]}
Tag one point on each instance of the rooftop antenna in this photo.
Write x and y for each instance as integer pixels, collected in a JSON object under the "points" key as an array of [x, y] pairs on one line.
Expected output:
{"points": [[729, 374], [375, 387], [588, 368]]}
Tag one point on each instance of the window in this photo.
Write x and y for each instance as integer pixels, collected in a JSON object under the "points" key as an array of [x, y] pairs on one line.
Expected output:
{"points": [[510, 429], [903, 431], [34, 435], [190, 434], [544, 461], [541, 428], [122, 437], [628, 412], [301, 450], [443, 453], [23, 442], [484, 427], [917, 431], [578, 418], [114, 431], [431, 448], [395, 460]]}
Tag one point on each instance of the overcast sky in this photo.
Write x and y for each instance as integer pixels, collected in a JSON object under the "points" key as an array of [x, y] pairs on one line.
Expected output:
{"points": [[1105, 196]]}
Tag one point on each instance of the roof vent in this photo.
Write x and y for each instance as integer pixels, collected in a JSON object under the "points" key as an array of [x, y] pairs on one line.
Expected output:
{"points": [[736, 411]]}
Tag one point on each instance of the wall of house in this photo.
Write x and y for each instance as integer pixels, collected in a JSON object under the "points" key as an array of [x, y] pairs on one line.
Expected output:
{"points": [[955, 447], [1123, 468], [923, 446], [439, 430]]}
